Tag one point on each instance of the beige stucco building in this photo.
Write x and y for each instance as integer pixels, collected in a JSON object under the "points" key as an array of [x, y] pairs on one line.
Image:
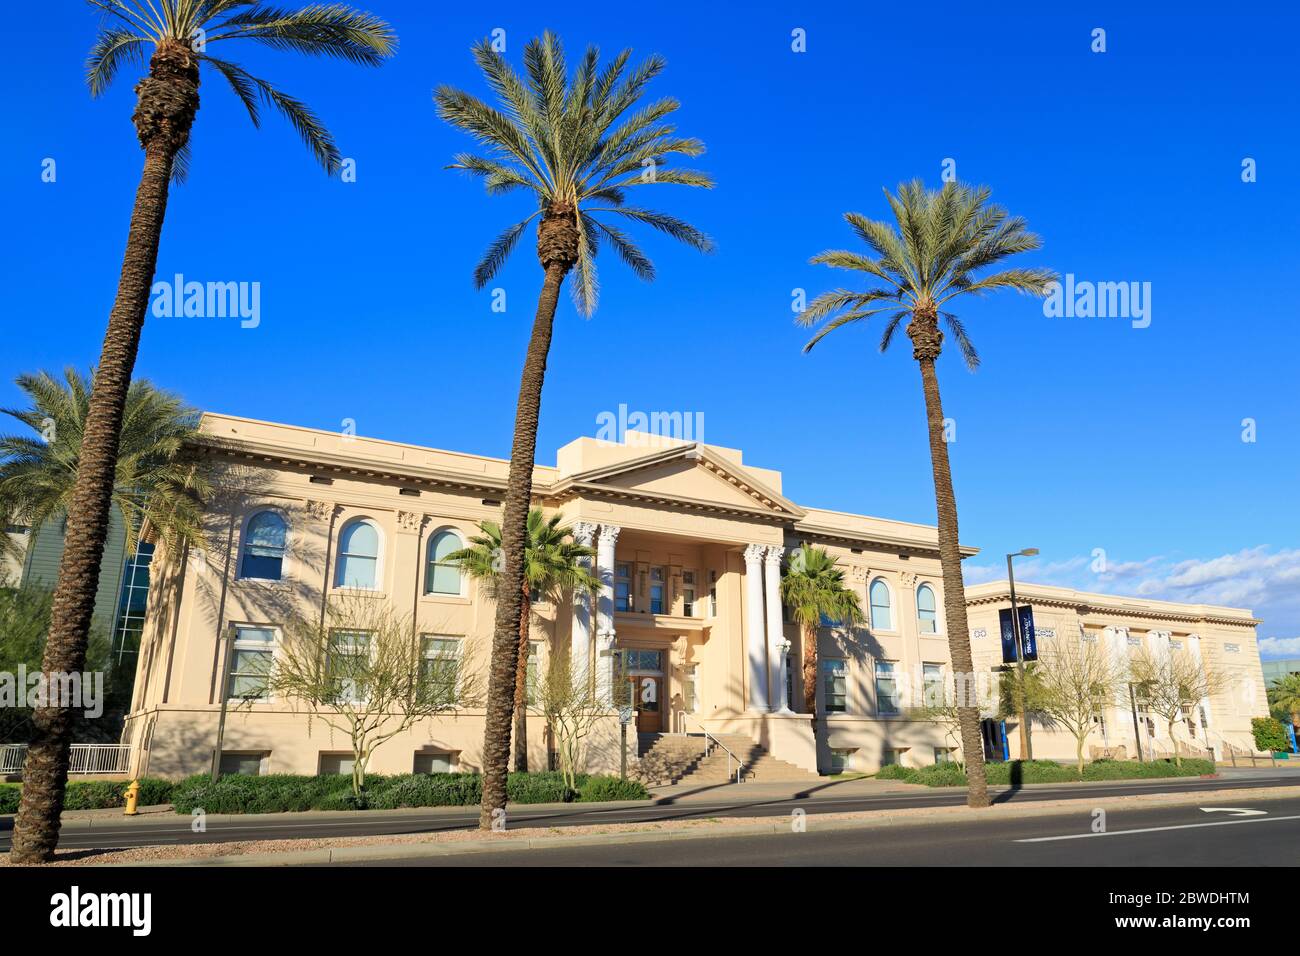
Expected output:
{"points": [[688, 539], [1221, 639]]}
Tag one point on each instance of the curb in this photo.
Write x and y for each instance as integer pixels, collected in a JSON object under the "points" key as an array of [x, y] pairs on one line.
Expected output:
{"points": [[878, 820]]}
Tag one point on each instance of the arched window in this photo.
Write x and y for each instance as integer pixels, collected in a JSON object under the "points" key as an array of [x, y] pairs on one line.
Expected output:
{"points": [[441, 577], [358, 556], [926, 615], [882, 618], [264, 541]]}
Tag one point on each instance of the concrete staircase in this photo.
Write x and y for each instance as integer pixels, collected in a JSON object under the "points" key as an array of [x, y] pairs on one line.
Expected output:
{"points": [[673, 759]]}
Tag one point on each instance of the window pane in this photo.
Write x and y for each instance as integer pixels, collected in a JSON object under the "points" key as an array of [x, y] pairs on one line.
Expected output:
{"points": [[886, 688], [441, 577], [358, 555], [361, 538], [925, 609], [264, 540], [356, 572], [881, 618], [835, 685], [433, 763]]}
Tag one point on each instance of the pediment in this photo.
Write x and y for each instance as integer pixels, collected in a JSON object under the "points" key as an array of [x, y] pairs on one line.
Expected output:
{"points": [[688, 473]]}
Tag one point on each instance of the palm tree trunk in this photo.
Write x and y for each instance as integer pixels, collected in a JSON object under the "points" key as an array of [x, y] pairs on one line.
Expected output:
{"points": [[45, 773], [954, 605], [514, 535], [808, 657], [521, 684]]}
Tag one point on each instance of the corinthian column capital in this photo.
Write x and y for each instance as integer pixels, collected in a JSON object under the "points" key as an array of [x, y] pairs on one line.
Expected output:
{"points": [[584, 532]]}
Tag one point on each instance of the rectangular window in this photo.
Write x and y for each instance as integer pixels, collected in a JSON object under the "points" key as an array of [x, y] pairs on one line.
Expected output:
{"points": [[636, 660], [348, 665], [250, 663], [333, 764], [623, 587], [440, 667], [433, 763], [242, 765], [835, 678], [841, 761], [533, 673], [688, 593], [688, 688], [656, 590], [944, 754], [891, 756], [932, 685], [886, 688], [713, 594]]}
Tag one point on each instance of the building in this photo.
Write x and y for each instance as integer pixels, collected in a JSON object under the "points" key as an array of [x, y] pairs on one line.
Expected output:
{"points": [[1121, 627], [121, 595], [688, 539], [1276, 670]]}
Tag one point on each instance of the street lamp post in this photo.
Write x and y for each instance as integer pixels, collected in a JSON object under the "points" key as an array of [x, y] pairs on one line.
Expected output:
{"points": [[1026, 740]]}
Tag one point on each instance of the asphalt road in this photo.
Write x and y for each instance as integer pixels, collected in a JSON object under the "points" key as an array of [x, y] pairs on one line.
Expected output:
{"points": [[1184, 836], [731, 801]]}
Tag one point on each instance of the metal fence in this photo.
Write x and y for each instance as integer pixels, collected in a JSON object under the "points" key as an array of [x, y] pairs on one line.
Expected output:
{"points": [[84, 758]]}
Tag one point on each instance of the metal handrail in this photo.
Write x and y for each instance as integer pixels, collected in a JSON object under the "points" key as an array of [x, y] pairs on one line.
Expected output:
{"points": [[714, 741]]}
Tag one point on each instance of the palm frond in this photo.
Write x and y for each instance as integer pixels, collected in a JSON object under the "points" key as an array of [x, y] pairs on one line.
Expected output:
{"points": [[328, 29], [499, 251]]}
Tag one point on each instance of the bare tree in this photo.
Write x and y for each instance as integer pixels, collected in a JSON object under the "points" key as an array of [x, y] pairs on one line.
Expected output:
{"points": [[568, 700], [1074, 681], [1172, 684], [365, 673]]}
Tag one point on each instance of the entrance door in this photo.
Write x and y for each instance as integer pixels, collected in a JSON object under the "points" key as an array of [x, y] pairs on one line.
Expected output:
{"points": [[647, 697]]}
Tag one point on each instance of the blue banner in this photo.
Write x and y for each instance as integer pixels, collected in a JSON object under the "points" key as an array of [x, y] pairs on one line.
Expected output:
{"points": [[1028, 640]]}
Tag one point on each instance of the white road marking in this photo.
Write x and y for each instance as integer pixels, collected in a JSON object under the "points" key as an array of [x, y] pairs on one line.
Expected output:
{"points": [[1183, 826], [1235, 811]]}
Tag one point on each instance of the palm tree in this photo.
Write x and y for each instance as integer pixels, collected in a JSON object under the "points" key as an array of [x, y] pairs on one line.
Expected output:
{"points": [[941, 241], [153, 480], [570, 142], [813, 589], [179, 32], [1284, 696], [553, 566]]}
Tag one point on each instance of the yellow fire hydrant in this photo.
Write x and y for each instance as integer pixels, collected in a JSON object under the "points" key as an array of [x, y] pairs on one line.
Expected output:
{"points": [[132, 795]]}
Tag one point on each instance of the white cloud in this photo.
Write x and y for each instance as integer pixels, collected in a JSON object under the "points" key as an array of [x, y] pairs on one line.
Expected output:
{"points": [[1265, 580], [1279, 647]]}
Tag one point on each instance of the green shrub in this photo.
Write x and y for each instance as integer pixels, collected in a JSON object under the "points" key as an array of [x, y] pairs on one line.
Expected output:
{"points": [[546, 786], [597, 789], [895, 772], [1269, 734], [280, 793], [96, 794], [428, 790]]}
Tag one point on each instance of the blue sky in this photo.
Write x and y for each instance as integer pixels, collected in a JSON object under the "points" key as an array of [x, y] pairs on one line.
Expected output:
{"points": [[1077, 434]]}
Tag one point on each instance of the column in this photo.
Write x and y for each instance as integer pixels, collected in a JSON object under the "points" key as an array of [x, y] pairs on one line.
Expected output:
{"points": [[580, 633], [777, 645], [1120, 716], [604, 662], [1194, 648], [755, 643]]}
